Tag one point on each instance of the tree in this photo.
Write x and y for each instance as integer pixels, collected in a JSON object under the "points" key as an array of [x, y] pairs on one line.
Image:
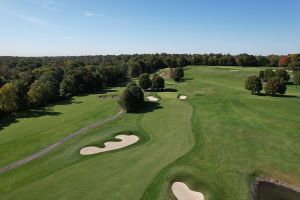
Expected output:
{"points": [[134, 70], [41, 93], [262, 61], [178, 74], [297, 78], [157, 82], [284, 61], [274, 86], [246, 60], [282, 74], [273, 60], [268, 74], [261, 75], [144, 81], [8, 98], [253, 84], [132, 98], [181, 61]]}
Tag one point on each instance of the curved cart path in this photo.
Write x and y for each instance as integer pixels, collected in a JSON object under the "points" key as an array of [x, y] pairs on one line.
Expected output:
{"points": [[59, 143]]}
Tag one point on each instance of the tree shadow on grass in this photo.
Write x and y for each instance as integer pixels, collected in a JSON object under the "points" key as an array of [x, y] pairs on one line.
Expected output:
{"points": [[278, 95], [169, 90], [7, 120], [148, 107], [187, 79], [162, 90], [66, 101]]}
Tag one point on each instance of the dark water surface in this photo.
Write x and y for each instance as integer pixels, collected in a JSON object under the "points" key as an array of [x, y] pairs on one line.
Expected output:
{"points": [[270, 191]]}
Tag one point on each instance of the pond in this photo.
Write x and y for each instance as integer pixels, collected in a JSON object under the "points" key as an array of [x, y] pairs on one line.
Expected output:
{"points": [[271, 191]]}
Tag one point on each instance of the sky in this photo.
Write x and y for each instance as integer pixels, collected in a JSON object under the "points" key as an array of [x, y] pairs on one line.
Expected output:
{"points": [[94, 27]]}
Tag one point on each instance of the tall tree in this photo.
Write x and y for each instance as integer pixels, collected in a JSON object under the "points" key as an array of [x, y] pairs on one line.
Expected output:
{"points": [[8, 98], [132, 98], [178, 74], [41, 93], [144, 81], [157, 82]]}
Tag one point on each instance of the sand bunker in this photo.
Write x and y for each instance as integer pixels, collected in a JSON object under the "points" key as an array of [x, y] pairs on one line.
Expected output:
{"points": [[126, 140], [152, 98], [234, 70], [182, 97], [183, 192]]}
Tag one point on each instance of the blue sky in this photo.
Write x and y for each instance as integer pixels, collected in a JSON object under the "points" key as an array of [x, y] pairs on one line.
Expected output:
{"points": [[89, 27]]}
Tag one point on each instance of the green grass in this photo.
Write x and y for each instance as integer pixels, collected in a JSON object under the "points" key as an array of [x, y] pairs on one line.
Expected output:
{"points": [[37, 129], [216, 141]]}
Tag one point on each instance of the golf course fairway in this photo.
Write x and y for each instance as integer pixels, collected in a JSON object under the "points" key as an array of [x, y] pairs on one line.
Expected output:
{"points": [[216, 141]]}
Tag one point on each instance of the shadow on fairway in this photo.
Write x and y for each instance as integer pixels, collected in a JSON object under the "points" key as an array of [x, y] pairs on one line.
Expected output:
{"points": [[149, 107], [13, 118], [277, 95], [169, 90], [187, 79]]}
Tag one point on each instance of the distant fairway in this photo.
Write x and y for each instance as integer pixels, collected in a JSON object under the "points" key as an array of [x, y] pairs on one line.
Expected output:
{"points": [[216, 141]]}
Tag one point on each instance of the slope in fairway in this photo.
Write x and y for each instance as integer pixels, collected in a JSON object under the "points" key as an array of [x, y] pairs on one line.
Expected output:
{"points": [[238, 136], [125, 174], [30, 133], [216, 141]]}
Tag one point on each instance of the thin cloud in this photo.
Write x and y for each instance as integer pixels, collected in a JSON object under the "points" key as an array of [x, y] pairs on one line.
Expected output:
{"points": [[65, 38], [31, 19], [89, 14], [49, 4]]}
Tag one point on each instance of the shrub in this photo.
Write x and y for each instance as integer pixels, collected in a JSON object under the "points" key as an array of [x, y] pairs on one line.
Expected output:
{"points": [[253, 84], [274, 86], [297, 78], [268, 74], [132, 98], [157, 82], [178, 74], [144, 81], [282, 74]]}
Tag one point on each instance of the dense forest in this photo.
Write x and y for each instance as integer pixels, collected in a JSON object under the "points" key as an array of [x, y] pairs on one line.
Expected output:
{"points": [[30, 82]]}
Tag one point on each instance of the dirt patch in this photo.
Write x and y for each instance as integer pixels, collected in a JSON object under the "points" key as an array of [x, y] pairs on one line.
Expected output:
{"points": [[125, 140], [182, 192]]}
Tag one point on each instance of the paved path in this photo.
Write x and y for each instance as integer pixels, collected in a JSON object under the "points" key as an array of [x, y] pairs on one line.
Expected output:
{"points": [[59, 143]]}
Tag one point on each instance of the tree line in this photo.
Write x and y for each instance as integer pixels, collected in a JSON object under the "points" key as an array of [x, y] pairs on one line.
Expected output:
{"points": [[28, 82]]}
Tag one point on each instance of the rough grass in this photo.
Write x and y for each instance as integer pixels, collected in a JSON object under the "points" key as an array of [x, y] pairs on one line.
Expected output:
{"points": [[216, 141]]}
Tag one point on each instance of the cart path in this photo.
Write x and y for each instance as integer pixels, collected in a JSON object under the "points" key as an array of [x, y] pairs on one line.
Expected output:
{"points": [[59, 143]]}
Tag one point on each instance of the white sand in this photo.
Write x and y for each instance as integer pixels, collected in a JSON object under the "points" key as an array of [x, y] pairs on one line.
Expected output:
{"points": [[152, 98], [183, 192], [126, 140], [234, 70], [182, 97]]}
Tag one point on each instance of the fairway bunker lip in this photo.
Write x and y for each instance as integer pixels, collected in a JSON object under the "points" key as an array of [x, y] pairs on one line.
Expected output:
{"points": [[152, 98], [125, 141], [182, 97], [182, 192]]}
